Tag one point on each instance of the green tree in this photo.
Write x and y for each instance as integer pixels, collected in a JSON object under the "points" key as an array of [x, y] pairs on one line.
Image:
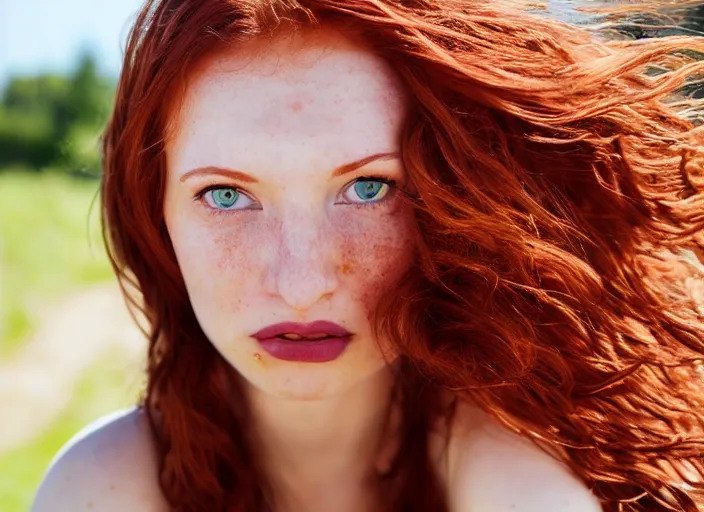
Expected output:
{"points": [[81, 121], [51, 120], [27, 124]]}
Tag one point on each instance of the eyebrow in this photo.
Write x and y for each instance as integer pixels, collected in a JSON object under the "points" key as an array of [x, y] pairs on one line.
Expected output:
{"points": [[246, 178]]}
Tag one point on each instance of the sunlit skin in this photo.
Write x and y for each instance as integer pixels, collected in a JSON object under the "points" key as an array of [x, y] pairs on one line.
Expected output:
{"points": [[273, 125]]}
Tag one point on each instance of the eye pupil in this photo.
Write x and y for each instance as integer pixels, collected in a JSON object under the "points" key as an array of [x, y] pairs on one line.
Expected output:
{"points": [[225, 197], [368, 189]]}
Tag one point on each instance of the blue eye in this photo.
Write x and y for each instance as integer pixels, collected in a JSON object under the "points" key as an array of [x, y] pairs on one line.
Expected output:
{"points": [[223, 198], [367, 191], [226, 198]]}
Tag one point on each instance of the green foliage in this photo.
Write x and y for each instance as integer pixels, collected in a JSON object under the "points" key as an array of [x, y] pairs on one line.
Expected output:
{"points": [[51, 120], [48, 245], [26, 138]]}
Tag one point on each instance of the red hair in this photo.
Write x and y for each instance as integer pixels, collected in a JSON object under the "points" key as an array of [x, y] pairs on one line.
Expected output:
{"points": [[555, 189]]}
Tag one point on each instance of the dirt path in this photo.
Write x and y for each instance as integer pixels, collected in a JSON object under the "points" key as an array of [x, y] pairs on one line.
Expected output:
{"points": [[36, 383]]}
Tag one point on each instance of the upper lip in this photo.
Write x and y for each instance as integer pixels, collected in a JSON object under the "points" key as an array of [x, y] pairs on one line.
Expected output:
{"points": [[302, 330]]}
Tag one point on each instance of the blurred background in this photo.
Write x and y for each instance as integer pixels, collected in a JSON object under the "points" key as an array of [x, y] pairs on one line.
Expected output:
{"points": [[69, 352]]}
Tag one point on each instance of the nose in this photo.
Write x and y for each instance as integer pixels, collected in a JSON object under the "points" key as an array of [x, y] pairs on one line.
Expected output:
{"points": [[303, 270]]}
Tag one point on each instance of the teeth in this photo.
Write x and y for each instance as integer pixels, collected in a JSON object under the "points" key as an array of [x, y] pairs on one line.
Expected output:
{"points": [[296, 337]]}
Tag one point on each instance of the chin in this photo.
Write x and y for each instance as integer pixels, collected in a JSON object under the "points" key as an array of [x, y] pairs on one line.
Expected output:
{"points": [[312, 381], [304, 391], [304, 381]]}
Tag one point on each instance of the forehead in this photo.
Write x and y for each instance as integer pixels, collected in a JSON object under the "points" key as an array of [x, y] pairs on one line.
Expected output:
{"points": [[317, 91]]}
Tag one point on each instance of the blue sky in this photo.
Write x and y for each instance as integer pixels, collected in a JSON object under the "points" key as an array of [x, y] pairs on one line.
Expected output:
{"points": [[48, 34]]}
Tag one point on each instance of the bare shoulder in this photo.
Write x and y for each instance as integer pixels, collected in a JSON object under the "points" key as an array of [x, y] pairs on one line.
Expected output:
{"points": [[109, 466], [492, 469]]}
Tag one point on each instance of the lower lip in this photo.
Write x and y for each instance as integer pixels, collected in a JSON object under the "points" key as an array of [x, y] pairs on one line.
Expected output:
{"points": [[320, 351]]}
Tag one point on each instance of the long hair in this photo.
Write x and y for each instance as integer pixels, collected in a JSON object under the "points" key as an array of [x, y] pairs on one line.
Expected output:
{"points": [[559, 174]]}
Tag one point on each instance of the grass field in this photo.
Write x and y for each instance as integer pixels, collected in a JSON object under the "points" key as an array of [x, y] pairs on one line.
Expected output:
{"points": [[48, 245]]}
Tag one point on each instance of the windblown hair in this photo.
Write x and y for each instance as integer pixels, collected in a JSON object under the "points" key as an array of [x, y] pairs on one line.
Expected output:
{"points": [[559, 174]]}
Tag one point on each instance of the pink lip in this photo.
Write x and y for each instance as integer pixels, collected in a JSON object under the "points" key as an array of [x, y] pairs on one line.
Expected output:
{"points": [[321, 351], [310, 351], [303, 330]]}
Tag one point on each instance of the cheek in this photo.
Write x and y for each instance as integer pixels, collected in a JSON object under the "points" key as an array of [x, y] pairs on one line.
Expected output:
{"points": [[212, 257], [375, 254]]}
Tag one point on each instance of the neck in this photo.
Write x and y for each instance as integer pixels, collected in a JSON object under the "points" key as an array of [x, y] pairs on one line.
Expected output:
{"points": [[308, 444]]}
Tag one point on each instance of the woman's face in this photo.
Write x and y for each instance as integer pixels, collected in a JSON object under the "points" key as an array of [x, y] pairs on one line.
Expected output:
{"points": [[268, 224]]}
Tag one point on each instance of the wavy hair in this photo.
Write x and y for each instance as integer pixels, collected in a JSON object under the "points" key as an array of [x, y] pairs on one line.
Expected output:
{"points": [[560, 175]]}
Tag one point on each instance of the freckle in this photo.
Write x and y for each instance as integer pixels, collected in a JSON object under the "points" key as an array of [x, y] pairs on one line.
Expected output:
{"points": [[90, 505], [112, 487], [345, 268]]}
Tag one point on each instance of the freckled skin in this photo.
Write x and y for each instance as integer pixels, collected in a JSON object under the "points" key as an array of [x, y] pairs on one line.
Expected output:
{"points": [[303, 252]]}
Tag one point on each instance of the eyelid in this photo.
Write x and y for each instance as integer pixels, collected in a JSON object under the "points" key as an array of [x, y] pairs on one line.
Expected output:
{"points": [[205, 190]]}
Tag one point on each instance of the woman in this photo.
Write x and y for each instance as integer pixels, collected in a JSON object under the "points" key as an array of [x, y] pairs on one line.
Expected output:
{"points": [[412, 255]]}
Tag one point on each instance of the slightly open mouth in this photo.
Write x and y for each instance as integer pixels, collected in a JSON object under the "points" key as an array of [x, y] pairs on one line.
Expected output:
{"points": [[314, 337]]}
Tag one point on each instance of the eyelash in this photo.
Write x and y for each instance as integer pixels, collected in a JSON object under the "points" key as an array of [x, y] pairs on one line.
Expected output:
{"points": [[390, 182]]}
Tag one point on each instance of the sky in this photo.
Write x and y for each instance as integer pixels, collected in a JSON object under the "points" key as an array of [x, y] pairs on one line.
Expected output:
{"points": [[37, 35], [47, 35]]}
